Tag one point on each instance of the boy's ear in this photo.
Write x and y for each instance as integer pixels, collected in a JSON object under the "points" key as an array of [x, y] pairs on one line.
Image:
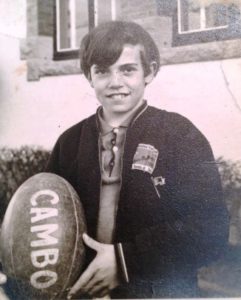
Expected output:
{"points": [[153, 71]]}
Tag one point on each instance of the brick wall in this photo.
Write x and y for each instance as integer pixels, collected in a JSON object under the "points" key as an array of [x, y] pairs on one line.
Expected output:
{"points": [[135, 9]]}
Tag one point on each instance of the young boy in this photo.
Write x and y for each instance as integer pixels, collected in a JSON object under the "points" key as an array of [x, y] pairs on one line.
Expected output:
{"points": [[146, 177]]}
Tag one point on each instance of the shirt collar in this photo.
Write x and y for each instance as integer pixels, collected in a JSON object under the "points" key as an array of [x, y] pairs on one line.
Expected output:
{"points": [[104, 127]]}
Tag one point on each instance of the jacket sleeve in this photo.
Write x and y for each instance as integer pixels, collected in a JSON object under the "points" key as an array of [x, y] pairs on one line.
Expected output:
{"points": [[195, 230], [53, 162], [63, 157]]}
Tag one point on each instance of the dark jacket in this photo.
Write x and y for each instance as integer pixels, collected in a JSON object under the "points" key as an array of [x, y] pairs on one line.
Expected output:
{"points": [[167, 230]]}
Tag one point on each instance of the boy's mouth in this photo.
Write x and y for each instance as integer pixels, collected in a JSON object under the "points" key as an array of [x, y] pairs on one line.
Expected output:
{"points": [[119, 96]]}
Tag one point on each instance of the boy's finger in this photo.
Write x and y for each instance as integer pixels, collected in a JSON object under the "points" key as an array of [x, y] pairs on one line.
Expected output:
{"points": [[82, 281], [3, 278]]}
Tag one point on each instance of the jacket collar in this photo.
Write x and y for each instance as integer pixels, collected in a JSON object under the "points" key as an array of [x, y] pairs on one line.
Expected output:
{"points": [[103, 127]]}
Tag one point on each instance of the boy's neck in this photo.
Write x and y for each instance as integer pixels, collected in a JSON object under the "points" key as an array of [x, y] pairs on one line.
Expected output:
{"points": [[115, 120], [118, 119]]}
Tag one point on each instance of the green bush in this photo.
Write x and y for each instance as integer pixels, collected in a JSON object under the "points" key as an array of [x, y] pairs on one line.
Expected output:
{"points": [[230, 172], [17, 165]]}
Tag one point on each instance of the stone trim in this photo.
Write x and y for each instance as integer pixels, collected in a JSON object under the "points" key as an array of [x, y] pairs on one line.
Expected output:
{"points": [[38, 49], [201, 52]]}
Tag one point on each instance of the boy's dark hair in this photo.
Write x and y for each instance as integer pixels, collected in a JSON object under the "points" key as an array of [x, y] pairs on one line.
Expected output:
{"points": [[103, 45]]}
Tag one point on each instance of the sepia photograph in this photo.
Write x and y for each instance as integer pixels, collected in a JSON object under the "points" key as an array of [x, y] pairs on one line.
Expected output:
{"points": [[120, 149]]}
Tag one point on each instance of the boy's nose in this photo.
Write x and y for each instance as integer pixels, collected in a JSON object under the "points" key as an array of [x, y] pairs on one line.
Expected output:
{"points": [[115, 80]]}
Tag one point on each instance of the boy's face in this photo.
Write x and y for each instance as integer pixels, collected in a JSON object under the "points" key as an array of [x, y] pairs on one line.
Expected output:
{"points": [[120, 87]]}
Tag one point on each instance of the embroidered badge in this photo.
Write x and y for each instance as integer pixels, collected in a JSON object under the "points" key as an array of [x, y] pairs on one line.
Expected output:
{"points": [[145, 158]]}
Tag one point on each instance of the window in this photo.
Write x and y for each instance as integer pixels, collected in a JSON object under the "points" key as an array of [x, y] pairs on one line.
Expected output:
{"points": [[198, 21], [74, 18]]}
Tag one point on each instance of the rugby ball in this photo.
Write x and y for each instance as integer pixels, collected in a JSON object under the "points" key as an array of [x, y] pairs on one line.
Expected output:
{"points": [[41, 237]]}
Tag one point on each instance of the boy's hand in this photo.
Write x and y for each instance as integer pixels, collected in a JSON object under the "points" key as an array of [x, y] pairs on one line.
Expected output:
{"points": [[101, 275], [3, 280]]}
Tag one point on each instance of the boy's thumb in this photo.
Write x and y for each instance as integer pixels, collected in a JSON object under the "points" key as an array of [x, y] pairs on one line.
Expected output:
{"points": [[93, 244]]}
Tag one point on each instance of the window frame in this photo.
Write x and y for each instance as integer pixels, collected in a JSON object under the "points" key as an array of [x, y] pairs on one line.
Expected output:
{"points": [[74, 53], [93, 21], [193, 37]]}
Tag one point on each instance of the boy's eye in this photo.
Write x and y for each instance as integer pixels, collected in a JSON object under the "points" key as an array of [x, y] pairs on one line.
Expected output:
{"points": [[128, 69], [100, 71]]}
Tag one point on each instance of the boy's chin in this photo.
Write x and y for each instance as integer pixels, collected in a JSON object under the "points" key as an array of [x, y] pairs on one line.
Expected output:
{"points": [[119, 111]]}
